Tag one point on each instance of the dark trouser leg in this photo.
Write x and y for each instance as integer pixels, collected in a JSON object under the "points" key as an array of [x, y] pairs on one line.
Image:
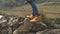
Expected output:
{"points": [[34, 8]]}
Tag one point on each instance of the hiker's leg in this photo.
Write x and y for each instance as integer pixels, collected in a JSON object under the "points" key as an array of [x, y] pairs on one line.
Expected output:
{"points": [[35, 11], [34, 8]]}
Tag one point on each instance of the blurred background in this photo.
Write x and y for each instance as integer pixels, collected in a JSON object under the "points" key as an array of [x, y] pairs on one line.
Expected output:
{"points": [[49, 8], [6, 4]]}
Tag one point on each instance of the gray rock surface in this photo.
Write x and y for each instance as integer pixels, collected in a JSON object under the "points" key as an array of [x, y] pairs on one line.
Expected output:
{"points": [[49, 31], [22, 25]]}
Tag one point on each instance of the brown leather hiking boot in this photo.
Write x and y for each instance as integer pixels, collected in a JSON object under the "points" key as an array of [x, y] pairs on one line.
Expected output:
{"points": [[36, 19], [30, 16]]}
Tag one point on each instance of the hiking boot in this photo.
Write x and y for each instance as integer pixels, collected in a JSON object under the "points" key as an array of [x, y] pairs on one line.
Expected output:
{"points": [[30, 16], [35, 19]]}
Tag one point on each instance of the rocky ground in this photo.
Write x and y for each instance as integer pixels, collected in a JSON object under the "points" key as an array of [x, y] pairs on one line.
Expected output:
{"points": [[22, 25]]}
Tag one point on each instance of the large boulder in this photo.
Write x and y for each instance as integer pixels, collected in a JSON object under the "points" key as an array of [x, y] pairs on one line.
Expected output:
{"points": [[22, 25]]}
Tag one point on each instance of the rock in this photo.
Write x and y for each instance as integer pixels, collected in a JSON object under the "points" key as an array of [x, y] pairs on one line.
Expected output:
{"points": [[28, 27], [1, 16], [4, 25], [16, 25], [22, 25], [4, 31], [9, 24], [30, 33], [57, 26], [3, 22], [24, 28], [49, 31]]}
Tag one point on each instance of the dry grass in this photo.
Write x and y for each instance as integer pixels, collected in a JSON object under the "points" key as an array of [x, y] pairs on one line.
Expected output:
{"points": [[48, 11]]}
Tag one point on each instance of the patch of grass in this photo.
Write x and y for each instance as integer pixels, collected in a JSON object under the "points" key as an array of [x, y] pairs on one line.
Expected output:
{"points": [[46, 11], [49, 14], [53, 21]]}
